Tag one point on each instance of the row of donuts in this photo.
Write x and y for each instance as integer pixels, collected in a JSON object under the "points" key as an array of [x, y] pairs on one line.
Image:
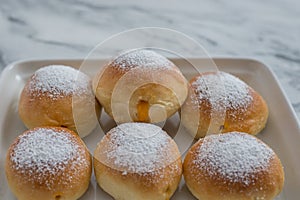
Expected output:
{"points": [[141, 86], [141, 161], [130, 160]]}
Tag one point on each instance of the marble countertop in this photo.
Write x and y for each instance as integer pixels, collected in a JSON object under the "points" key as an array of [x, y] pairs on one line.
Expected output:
{"points": [[265, 30]]}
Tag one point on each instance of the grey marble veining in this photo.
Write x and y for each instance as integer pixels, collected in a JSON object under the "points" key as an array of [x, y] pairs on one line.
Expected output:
{"points": [[266, 30]]}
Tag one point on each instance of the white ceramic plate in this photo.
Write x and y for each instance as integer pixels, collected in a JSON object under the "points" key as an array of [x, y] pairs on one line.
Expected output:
{"points": [[282, 132]]}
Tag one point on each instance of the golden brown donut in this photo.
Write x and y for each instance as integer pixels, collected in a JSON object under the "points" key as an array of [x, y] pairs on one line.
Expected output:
{"points": [[232, 166], [49, 163], [138, 161], [149, 86], [221, 102], [58, 95]]}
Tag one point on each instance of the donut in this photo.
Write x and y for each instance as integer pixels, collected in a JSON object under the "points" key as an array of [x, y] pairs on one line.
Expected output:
{"points": [[137, 161], [60, 96], [140, 86], [219, 102], [235, 166], [49, 163]]}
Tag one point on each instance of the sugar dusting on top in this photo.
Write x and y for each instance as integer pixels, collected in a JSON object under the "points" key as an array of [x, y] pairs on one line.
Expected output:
{"points": [[233, 156], [45, 152], [222, 90], [139, 148], [143, 59], [57, 81]]}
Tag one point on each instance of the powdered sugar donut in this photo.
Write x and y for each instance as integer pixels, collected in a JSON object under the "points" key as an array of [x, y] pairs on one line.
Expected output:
{"points": [[221, 102], [235, 166], [58, 95], [50, 163], [138, 161], [140, 86]]}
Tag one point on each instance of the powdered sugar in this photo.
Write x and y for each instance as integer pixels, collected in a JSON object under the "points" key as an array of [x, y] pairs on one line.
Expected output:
{"points": [[142, 59], [46, 152], [222, 90], [233, 156], [139, 148], [57, 81]]}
